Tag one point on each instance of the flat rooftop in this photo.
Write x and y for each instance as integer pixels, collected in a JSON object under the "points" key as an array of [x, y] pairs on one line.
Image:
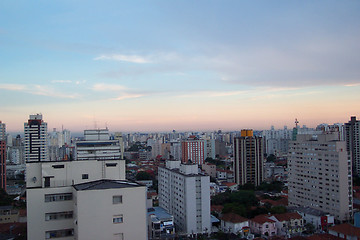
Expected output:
{"points": [[105, 184]]}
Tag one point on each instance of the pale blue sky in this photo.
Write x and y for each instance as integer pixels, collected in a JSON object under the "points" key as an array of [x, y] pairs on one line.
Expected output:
{"points": [[162, 65]]}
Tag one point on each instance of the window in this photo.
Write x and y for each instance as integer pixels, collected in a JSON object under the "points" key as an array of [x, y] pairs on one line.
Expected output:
{"points": [[111, 164], [59, 233], [58, 166], [58, 197], [118, 236], [58, 216], [118, 219], [117, 199], [85, 176]]}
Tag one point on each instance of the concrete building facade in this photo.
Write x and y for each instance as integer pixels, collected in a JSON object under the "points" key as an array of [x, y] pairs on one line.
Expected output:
{"points": [[248, 158], [85, 199], [320, 175], [35, 140], [193, 149], [352, 138], [3, 155], [185, 194]]}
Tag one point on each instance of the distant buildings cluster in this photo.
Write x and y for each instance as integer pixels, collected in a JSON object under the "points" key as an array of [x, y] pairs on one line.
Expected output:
{"points": [[84, 188]]}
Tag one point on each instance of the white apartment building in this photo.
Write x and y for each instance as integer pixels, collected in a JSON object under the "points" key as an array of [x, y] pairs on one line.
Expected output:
{"points": [[35, 141], [277, 141], [97, 146], [320, 175], [185, 194], [87, 199]]}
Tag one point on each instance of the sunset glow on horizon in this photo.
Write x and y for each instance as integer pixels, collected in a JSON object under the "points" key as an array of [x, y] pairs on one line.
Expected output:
{"points": [[189, 66]]}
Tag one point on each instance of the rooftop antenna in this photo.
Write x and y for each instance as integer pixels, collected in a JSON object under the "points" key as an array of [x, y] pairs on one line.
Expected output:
{"points": [[296, 122]]}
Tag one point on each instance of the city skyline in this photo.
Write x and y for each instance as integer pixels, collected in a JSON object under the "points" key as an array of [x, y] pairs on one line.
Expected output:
{"points": [[158, 66]]}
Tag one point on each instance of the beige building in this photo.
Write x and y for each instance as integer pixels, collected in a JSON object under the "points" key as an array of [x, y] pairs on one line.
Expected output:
{"points": [[87, 199], [185, 194], [320, 175], [248, 158]]}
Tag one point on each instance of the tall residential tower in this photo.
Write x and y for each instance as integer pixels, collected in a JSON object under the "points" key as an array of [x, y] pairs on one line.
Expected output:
{"points": [[320, 174], [2, 156], [248, 158], [352, 138], [35, 144]]}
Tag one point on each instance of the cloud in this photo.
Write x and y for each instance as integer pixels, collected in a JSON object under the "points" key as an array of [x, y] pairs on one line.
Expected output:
{"points": [[108, 87], [37, 90], [352, 85], [13, 87], [128, 96], [124, 58], [61, 81], [69, 81]]}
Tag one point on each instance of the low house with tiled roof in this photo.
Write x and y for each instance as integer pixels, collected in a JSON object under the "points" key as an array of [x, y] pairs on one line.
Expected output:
{"points": [[323, 236], [263, 225], [288, 223], [234, 223], [217, 209], [230, 185], [345, 231], [281, 202]]}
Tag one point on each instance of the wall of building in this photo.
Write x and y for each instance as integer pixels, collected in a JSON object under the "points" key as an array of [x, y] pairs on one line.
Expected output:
{"points": [[95, 210]]}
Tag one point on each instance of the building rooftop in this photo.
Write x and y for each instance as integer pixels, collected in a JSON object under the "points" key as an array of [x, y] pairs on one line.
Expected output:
{"points": [[309, 210], [262, 219], [234, 218], [287, 216], [177, 170], [160, 213], [346, 229], [105, 184]]}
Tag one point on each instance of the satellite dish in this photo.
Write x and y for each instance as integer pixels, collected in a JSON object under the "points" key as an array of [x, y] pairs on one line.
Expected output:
{"points": [[34, 179]]}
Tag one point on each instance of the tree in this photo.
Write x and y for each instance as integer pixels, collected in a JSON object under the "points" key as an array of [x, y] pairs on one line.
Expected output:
{"points": [[278, 209], [310, 228], [5, 199], [143, 176]]}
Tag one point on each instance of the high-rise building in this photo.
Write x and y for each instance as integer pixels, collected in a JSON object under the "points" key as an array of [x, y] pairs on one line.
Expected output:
{"points": [[97, 145], [193, 149], [320, 174], [2, 155], [352, 138], [185, 194], [85, 199], [35, 140], [248, 158]]}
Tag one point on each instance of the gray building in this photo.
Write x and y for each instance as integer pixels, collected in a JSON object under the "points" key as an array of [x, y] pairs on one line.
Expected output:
{"points": [[248, 158], [352, 138], [185, 194], [320, 175]]}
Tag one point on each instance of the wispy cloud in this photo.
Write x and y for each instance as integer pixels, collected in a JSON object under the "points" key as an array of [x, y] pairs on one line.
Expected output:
{"points": [[352, 85], [128, 96], [124, 58], [108, 87], [13, 87], [69, 81], [37, 90]]}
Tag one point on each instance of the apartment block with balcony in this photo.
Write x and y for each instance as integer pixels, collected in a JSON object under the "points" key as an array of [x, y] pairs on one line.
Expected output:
{"points": [[320, 175], [185, 193], [87, 199]]}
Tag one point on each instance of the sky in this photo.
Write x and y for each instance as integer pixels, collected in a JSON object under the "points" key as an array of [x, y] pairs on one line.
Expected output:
{"points": [[183, 65]]}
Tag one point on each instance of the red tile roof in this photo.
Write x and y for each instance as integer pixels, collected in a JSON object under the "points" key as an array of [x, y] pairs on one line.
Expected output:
{"points": [[234, 218], [229, 184], [324, 236], [280, 202], [346, 229], [287, 216], [217, 208], [262, 219]]}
